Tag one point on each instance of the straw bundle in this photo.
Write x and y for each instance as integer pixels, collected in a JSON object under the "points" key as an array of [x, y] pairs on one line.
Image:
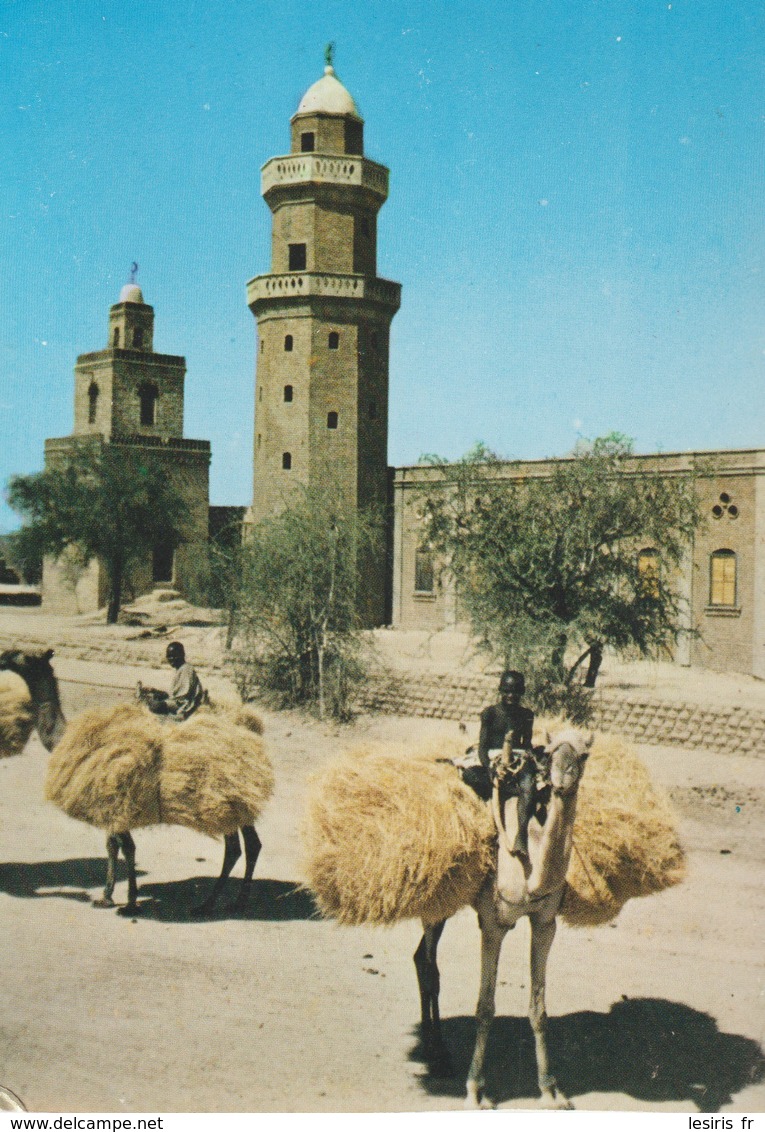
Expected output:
{"points": [[625, 837], [215, 776], [120, 768], [105, 769], [241, 715], [16, 714], [392, 835]]}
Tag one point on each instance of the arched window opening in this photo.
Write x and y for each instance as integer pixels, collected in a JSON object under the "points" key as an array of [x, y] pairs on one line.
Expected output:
{"points": [[648, 564], [424, 572], [373, 410], [286, 461], [332, 420], [116, 336], [334, 340], [138, 338], [307, 142], [288, 343], [92, 403], [147, 398], [288, 391], [722, 578]]}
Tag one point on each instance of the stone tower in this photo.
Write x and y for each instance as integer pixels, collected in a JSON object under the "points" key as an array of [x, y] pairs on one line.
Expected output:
{"points": [[323, 314], [128, 395]]}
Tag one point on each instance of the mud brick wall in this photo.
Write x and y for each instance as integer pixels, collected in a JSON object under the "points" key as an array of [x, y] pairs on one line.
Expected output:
{"points": [[640, 718]]}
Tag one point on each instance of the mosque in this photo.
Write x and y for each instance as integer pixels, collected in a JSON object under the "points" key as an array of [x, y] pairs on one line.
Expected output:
{"points": [[321, 410]]}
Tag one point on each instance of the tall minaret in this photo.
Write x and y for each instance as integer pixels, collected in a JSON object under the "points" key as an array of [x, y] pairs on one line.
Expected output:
{"points": [[321, 409]]}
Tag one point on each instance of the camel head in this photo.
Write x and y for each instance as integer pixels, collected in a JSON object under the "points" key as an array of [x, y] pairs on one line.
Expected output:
{"points": [[35, 669], [568, 751]]}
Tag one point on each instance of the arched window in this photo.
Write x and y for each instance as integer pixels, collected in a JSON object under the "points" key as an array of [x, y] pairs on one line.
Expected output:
{"points": [[147, 398], [288, 343], [92, 403], [424, 574], [648, 565], [116, 336], [286, 460], [332, 420], [307, 142], [138, 338], [288, 391], [334, 340], [722, 578]]}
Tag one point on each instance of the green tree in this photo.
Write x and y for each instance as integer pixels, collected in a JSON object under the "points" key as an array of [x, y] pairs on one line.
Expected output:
{"points": [[546, 564], [293, 598], [101, 501]]}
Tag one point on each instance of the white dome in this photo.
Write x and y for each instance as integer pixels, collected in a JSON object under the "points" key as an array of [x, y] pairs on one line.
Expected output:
{"points": [[131, 293], [327, 96]]}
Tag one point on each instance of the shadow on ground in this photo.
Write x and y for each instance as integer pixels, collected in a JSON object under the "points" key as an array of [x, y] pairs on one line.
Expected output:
{"points": [[21, 878], [647, 1048], [172, 901]]}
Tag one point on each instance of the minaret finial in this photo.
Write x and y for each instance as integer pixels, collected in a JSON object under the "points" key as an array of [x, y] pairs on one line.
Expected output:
{"points": [[133, 271], [329, 53]]}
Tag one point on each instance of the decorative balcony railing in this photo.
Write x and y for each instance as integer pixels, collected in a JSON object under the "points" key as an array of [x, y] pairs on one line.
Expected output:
{"points": [[317, 168], [308, 284]]}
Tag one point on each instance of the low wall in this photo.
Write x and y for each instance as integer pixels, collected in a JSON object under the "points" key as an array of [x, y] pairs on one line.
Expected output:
{"points": [[637, 717]]}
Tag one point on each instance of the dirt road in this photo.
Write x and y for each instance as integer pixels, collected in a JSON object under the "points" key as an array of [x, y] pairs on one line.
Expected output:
{"points": [[278, 1011]]}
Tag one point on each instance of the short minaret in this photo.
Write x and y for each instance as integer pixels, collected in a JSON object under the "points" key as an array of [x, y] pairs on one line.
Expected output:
{"points": [[321, 409], [128, 396], [127, 389]]}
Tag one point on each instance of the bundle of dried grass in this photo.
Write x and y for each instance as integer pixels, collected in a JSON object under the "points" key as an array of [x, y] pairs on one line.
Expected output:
{"points": [[120, 768], [216, 776], [241, 715], [625, 837], [16, 714], [105, 770], [394, 835]]}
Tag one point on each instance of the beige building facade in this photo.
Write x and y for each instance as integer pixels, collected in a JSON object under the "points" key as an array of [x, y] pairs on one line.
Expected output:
{"points": [[722, 582], [129, 395]]}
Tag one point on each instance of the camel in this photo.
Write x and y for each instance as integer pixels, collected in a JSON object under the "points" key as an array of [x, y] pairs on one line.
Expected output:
{"points": [[35, 669], [395, 834], [532, 887]]}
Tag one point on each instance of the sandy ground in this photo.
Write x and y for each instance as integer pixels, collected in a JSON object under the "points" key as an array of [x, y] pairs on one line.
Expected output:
{"points": [[276, 1010]]}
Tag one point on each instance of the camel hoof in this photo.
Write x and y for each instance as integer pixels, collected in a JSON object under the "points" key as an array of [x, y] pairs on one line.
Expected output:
{"points": [[558, 1101], [474, 1103], [129, 910], [103, 902]]}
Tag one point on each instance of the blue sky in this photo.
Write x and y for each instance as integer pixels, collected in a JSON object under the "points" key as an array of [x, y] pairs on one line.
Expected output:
{"points": [[575, 210]]}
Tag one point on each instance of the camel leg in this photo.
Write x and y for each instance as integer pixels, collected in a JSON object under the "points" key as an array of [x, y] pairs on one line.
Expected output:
{"points": [[542, 936], [231, 855], [252, 847], [491, 945], [429, 982], [112, 853], [127, 845]]}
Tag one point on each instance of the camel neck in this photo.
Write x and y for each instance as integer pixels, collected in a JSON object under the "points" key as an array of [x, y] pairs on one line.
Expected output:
{"points": [[551, 866], [49, 718]]}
